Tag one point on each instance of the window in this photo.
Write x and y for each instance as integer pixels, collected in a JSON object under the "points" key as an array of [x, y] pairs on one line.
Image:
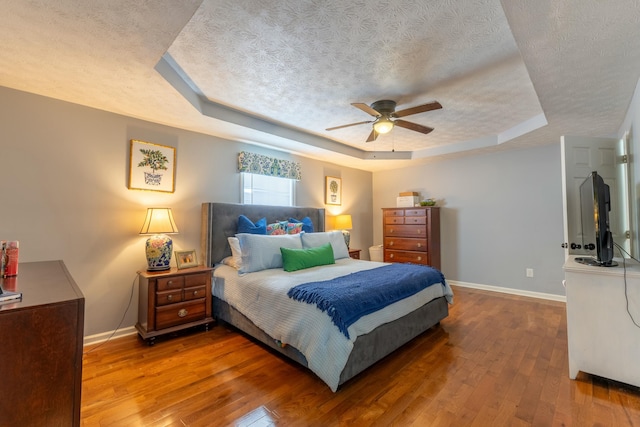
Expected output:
{"points": [[267, 190]]}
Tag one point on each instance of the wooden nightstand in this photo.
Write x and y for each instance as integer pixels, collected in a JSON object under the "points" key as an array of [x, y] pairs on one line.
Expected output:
{"points": [[173, 300], [354, 253]]}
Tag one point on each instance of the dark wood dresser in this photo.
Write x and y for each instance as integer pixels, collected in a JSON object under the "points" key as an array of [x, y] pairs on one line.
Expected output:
{"points": [[41, 348], [412, 235]]}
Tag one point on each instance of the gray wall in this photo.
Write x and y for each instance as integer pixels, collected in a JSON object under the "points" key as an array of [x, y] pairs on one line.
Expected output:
{"points": [[501, 214], [64, 194]]}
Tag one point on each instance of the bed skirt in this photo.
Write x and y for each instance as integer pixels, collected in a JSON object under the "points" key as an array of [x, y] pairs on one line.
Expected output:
{"points": [[367, 349]]}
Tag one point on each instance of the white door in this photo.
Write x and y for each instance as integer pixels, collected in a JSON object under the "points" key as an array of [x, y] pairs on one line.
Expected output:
{"points": [[580, 157]]}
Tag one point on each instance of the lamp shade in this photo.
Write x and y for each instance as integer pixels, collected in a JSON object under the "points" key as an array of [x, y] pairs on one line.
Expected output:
{"points": [[159, 246], [159, 221], [343, 222]]}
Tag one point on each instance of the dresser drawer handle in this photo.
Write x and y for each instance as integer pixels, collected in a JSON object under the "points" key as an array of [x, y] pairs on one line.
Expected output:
{"points": [[391, 256], [182, 313], [418, 231], [419, 258], [195, 293], [419, 245], [390, 243], [169, 297], [391, 230]]}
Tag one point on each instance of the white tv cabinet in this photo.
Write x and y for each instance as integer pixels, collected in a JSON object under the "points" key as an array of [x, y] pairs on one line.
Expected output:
{"points": [[602, 338]]}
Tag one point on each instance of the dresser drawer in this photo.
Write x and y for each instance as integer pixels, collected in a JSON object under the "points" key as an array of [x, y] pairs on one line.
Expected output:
{"points": [[406, 244], [169, 297], [177, 314], [170, 283], [393, 212], [195, 292], [415, 219], [394, 220], [405, 230], [406, 256]]}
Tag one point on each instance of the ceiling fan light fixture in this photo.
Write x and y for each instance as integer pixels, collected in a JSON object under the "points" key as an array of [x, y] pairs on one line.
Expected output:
{"points": [[383, 125]]}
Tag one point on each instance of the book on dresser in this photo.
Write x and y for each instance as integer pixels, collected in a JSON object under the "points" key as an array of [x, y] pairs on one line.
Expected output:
{"points": [[412, 235]]}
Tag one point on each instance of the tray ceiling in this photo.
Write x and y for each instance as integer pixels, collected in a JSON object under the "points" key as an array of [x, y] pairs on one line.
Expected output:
{"points": [[279, 74]]}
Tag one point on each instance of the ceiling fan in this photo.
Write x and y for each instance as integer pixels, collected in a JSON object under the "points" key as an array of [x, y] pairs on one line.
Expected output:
{"points": [[386, 117]]}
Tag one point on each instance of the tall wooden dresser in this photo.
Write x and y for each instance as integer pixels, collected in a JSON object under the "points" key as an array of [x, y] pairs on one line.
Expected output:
{"points": [[41, 348], [412, 235]]}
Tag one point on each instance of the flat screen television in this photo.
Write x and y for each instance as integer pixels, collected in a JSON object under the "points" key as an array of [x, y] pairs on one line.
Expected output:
{"points": [[595, 205]]}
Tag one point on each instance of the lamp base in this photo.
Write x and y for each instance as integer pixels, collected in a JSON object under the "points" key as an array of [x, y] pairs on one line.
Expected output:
{"points": [[158, 249]]}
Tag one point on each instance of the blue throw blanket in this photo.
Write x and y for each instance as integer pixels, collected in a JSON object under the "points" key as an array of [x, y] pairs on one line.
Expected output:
{"points": [[347, 298]]}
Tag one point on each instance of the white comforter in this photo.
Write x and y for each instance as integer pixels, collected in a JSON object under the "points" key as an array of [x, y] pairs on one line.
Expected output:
{"points": [[262, 297]]}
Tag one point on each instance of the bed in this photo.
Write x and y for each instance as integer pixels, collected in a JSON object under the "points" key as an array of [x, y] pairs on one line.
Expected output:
{"points": [[369, 342]]}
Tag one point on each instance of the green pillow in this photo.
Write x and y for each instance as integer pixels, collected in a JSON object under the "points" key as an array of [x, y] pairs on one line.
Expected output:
{"points": [[299, 259]]}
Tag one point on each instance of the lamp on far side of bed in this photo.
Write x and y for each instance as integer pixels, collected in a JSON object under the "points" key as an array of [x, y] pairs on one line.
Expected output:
{"points": [[159, 222], [343, 222]]}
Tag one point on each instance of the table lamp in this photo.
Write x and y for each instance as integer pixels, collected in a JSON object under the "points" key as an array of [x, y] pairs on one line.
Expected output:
{"points": [[159, 247], [344, 222]]}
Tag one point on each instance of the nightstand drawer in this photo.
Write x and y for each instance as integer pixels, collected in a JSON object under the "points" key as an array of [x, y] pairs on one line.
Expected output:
{"points": [[169, 283], [177, 314], [169, 297], [193, 280], [195, 292]]}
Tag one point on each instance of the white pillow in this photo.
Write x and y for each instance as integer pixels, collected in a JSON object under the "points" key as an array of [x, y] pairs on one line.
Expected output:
{"points": [[313, 240], [235, 260], [260, 252]]}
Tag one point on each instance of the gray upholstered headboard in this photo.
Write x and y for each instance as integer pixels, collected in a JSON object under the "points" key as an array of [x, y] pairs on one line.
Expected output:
{"points": [[220, 221]]}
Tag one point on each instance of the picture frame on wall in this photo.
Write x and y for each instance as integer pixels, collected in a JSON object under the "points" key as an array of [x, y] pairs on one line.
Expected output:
{"points": [[333, 190], [186, 259], [152, 166]]}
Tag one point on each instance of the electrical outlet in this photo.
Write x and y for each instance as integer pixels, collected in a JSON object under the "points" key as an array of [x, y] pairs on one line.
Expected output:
{"points": [[529, 272]]}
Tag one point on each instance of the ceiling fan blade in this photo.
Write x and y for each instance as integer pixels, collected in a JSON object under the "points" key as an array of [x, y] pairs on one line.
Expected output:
{"points": [[413, 126], [366, 108], [435, 105], [372, 136], [350, 124]]}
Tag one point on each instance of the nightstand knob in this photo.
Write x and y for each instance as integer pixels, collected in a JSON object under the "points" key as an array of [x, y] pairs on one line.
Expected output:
{"points": [[169, 297], [182, 313]]}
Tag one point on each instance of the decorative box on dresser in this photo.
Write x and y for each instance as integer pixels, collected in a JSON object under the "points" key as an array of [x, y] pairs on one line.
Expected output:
{"points": [[41, 348], [412, 235], [173, 300]]}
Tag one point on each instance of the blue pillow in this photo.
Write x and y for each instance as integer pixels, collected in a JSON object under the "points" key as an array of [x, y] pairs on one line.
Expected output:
{"points": [[245, 225], [307, 224]]}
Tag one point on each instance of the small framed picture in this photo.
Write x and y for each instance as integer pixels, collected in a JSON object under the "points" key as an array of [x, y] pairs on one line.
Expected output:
{"points": [[333, 190], [186, 259], [152, 167]]}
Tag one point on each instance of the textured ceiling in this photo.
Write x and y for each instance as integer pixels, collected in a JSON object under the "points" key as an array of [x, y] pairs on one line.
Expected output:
{"points": [[508, 75]]}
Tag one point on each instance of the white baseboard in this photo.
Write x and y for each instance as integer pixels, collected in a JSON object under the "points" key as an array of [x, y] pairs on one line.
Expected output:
{"points": [[105, 336], [541, 295]]}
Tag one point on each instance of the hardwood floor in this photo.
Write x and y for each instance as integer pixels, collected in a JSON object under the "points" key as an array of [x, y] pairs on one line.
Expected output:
{"points": [[497, 360]]}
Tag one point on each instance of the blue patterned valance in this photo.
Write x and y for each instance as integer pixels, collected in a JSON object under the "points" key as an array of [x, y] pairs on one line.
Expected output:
{"points": [[265, 165]]}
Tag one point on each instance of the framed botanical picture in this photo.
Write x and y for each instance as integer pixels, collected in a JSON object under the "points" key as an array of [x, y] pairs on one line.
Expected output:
{"points": [[186, 259], [152, 167], [333, 190]]}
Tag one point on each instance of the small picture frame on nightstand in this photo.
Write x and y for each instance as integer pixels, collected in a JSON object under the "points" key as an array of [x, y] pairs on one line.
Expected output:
{"points": [[186, 259]]}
